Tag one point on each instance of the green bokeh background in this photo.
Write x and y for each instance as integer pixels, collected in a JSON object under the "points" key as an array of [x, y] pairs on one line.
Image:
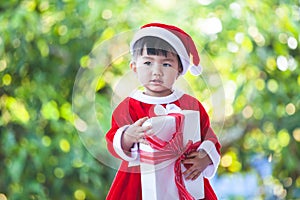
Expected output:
{"points": [[43, 43]]}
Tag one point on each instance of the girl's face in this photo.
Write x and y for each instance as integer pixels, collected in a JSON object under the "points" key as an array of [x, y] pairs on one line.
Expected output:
{"points": [[157, 73]]}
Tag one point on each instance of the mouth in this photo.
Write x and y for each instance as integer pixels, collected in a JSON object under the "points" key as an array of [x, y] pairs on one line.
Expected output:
{"points": [[156, 81]]}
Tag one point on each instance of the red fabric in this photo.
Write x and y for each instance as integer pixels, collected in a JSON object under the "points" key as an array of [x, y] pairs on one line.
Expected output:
{"points": [[127, 182]]}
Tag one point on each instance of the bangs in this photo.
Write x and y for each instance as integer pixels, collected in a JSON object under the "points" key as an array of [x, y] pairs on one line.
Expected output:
{"points": [[153, 46]]}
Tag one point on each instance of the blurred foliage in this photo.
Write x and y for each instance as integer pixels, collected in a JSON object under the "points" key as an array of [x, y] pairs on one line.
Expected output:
{"points": [[253, 44]]}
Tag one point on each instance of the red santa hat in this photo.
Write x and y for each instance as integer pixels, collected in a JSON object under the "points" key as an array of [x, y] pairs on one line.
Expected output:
{"points": [[178, 39]]}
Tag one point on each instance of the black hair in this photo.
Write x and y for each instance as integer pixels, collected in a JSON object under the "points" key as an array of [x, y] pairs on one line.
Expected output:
{"points": [[154, 46]]}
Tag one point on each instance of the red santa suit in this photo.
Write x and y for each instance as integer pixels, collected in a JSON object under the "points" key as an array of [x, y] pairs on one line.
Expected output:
{"points": [[127, 182]]}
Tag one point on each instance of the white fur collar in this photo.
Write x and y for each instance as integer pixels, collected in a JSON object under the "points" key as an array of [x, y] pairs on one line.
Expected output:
{"points": [[140, 96]]}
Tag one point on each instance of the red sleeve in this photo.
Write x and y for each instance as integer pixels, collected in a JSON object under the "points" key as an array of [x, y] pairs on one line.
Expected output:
{"points": [[126, 113], [120, 117], [207, 132]]}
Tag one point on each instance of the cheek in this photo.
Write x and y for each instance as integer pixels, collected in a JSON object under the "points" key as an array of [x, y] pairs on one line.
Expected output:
{"points": [[172, 75], [142, 75], [171, 80]]}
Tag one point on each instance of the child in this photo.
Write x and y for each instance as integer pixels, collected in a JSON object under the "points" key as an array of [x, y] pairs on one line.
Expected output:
{"points": [[160, 54]]}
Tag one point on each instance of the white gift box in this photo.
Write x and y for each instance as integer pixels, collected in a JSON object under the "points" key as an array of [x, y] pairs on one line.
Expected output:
{"points": [[158, 180]]}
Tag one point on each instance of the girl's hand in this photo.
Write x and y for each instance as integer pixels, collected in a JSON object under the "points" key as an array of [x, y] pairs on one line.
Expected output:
{"points": [[134, 134], [198, 160]]}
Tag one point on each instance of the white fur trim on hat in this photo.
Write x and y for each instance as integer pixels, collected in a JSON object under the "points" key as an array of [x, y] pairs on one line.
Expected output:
{"points": [[196, 70]]}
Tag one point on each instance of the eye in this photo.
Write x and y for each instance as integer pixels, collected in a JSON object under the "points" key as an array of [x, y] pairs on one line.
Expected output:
{"points": [[147, 63], [167, 65]]}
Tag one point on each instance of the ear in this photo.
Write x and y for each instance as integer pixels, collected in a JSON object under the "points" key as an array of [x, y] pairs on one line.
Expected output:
{"points": [[133, 66]]}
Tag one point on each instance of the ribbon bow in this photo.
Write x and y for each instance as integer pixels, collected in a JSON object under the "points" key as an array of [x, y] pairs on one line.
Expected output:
{"points": [[170, 108]]}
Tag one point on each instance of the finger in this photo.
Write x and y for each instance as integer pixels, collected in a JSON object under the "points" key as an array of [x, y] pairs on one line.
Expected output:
{"points": [[188, 171], [188, 161], [142, 130], [185, 173], [196, 176], [193, 176], [150, 131], [193, 154], [147, 129], [143, 140], [141, 135], [131, 131], [140, 121]]}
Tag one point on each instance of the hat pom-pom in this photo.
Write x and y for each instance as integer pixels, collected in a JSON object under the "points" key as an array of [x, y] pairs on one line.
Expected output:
{"points": [[196, 70]]}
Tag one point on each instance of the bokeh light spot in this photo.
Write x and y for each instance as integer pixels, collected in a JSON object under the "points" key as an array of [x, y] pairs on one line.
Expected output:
{"points": [[210, 26], [260, 84], [17, 109], [239, 37], [41, 178], [272, 85], [62, 30], [2, 196], [236, 10], [59, 172], [85, 61], [271, 64], [284, 138], [292, 43], [282, 63], [44, 6], [290, 109], [43, 47], [64, 145], [77, 163], [50, 110], [80, 125], [283, 37], [296, 135], [235, 166], [46, 140], [292, 63], [79, 194], [232, 47], [6, 79], [66, 112], [205, 2], [298, 182], [107, 14], [258, 113], [3, 65], [226, 160], [274, 144], [248, 112]]}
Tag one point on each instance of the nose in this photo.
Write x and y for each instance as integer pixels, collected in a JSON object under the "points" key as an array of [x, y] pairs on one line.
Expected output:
{"points": [[157, 70]]}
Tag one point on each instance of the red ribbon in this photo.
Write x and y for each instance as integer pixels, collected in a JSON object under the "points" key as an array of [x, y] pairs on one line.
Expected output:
{"points": [[169, 150]]}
